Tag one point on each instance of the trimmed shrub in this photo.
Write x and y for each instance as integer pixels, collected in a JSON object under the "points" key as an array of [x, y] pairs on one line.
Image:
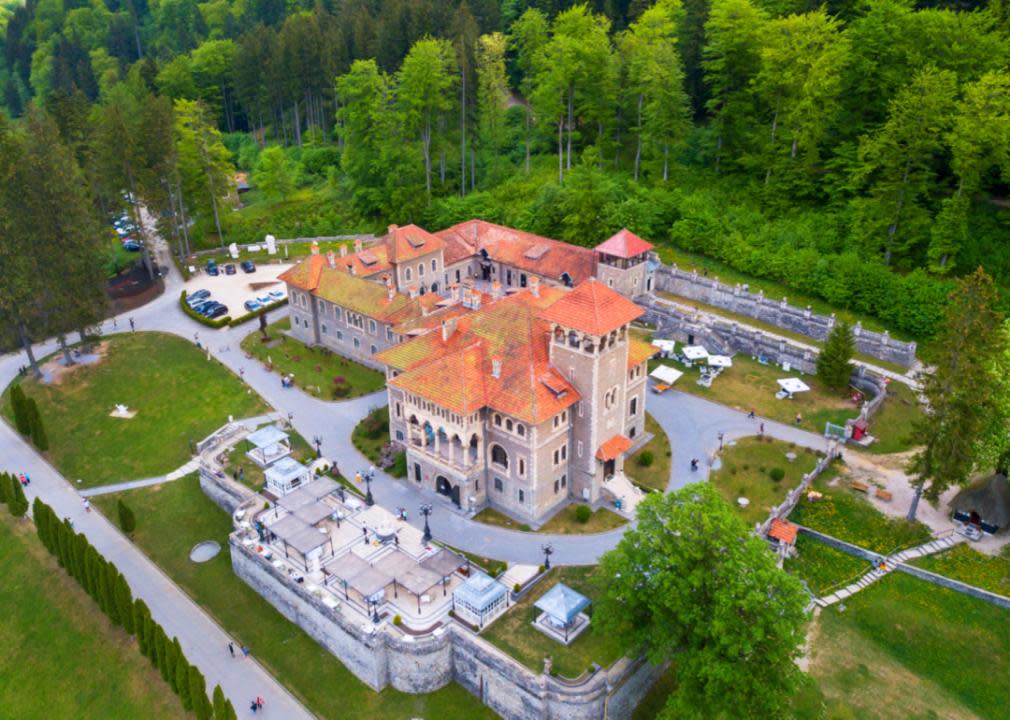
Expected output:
{"points": [[215, 323], [19, 409], [583, 513], [777, 474], [127, 520], [17, 503], [645, 458], [397, 620]]}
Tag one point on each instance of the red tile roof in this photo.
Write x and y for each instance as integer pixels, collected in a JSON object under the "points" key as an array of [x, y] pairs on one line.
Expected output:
{"points": [[305, 274], [625, 244], [614, 448], [408, 242], [525, 251], [593, 308], [639, 351], [371, 260], [783, 531]]}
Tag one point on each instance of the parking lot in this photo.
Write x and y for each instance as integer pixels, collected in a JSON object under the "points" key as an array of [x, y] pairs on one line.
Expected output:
{"points": [[235, 290]]}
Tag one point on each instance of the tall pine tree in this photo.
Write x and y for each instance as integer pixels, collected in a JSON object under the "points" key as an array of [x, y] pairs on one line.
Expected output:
{"points": [[833, 368]]}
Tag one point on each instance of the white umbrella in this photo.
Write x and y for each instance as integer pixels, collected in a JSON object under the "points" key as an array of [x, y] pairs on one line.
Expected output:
{"points": [[695, 352], [666, 374], [723, 361], [664, 345], [793, 385]]}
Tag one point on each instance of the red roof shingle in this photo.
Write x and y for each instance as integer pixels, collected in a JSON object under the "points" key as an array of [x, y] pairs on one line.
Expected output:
{"points": [[593, 308], [783, 531], [625, 244], [614, 448]]}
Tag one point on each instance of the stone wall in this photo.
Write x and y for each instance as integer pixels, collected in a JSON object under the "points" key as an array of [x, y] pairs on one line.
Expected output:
{"points": [[793, 496], [224, 493], [739, 299], [450, 653], [964, 588]]}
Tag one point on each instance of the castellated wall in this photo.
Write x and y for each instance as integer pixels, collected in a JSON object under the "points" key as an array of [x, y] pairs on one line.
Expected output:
{"points": [[450, 653], [739, 299]]}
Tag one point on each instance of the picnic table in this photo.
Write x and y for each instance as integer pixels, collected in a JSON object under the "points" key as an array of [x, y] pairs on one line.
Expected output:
{"points": [[860, 486]]}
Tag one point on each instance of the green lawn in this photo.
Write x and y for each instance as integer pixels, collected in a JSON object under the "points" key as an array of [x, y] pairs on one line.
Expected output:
{"points": [[968, 565], [749, 384], [822, 567], [173, 517], [746, 471], [315, 369], [372, 434], [564, 521], [654, 474], [848, 515], [514, 633], [892, 425], [62, 659], [903, 647], [179, 396]]}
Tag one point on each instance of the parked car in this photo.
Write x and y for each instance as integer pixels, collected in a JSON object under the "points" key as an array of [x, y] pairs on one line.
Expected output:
{"points": [[277, 295], [204, 306], [218, 311], [248, 266], [195, 298], [252, 305], [229, 269], [264, 299], [212, 268]]}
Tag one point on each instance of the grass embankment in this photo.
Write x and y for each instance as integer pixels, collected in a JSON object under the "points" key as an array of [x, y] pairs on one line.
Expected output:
{"points": [[178, 394], [649, 467], [892, 425], [171, 519], [514, 633], [749, 469], [970, 566], [847, 514], [62, 658], [823, 568], [316, 370], [564, 522], [749, 384]]}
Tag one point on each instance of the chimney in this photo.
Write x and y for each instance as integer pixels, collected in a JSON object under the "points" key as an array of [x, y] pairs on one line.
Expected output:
{"points": [[412, 291], [454, 292], [351, 269], [315, 247], [448, 328], [496, 291], [331, 260], [343, 250], [357, 245], [535, 286], [496, 368], [390, 291]]}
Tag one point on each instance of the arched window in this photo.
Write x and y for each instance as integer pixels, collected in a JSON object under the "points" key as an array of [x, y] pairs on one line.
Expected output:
{"points": [[497, 420], [434, 287], [508, 425], [406, 274], [434, 265], [420, 269], [634, 406], [499, 456], [521, 429]]}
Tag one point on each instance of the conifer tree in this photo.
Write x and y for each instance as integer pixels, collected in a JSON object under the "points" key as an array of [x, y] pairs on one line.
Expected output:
{"points": [[833, 368], [40, 516], [229, 711], [5, 488], [111, 606], [220, 704], [127, 520], [18, 406], [141, 617], [182, 683], [164, 646], [38, 431], [18, 503], [124, 603], [198, 694]]}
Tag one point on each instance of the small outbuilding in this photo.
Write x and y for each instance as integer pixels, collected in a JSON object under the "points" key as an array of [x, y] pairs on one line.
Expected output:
{"points": [[561, 613], [269, 444], [480, 599], [285, 476], [986, 506]]}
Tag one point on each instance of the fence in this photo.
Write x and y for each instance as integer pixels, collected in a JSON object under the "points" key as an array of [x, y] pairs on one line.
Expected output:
{"points": [[365, 237], [794, 495]]}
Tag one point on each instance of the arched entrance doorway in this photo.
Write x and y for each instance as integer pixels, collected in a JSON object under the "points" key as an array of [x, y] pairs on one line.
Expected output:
{"points": [[444, 487]]}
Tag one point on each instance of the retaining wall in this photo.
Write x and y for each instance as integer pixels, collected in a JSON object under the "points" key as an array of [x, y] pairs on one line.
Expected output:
{"points": [[226, 494], [451, 653], [979, 593], [739, 299]]}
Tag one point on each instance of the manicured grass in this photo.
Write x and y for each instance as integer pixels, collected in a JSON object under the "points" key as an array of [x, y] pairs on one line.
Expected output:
{"points": [[173, 517], [315, 369], [968, 565], [514, 633], [372, 434], [654, 475], [769, 328], [252, 475], [564, 521], [749, 384], [179, 396], [915, 642], [746, 471], [892, 425], [822, 567], [848, 515], [62, 659]]}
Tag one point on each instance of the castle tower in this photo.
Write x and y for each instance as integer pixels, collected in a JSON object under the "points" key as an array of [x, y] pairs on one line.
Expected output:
{"points": [[589, 347], [623, 264]]}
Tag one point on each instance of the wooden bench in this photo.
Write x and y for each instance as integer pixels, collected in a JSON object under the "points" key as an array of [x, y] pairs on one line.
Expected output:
{"points": [[883, 494], [860, 486]]}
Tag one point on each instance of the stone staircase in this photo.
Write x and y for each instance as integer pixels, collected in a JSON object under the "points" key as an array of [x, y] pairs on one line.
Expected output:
{"points": [[890, 563], [626, 491]]}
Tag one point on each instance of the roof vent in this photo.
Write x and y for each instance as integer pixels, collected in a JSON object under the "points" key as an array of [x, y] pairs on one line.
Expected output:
{"points": [[535, 286], [315, 248], [496, 368], [343, 250], [357, 245], [331, 259]]}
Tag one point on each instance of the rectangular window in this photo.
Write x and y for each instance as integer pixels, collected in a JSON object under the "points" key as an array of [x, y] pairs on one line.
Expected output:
{"points": [[564, 480], [580, 408], [578, 449], [357, 343], [522, 466], [371, 326], [522, 497], [398, 409], [324, 328], [399, 435], [555, 487], [498, 484], [556, 456], [564, 452], [389, 333], [557, 420], [340, 335], [374, 349]]}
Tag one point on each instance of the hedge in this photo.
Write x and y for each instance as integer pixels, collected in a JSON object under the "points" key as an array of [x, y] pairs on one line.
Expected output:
{"points": [[256, 313], [216, 323]]}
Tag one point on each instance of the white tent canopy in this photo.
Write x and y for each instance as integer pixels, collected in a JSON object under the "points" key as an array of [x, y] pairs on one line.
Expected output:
{"points": [[793, 385], [723, 361], [666, 346], [666, 374], [695, 352]]}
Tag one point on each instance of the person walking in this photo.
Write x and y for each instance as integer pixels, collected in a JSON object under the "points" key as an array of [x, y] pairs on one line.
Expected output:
{"points": [[87, 505], [799, 418], [761, 430], [21, 477], [231, 649], [253, 706], [750, 415], [28, 480], [259, 702], [245, 651], [132, 327]]}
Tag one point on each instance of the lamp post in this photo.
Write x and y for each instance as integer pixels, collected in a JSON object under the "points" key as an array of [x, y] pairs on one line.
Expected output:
{"points": [[426, 511], [721, 437], [318, 442], [375, 610], [369, 500], [291, 419], [548, 550]]}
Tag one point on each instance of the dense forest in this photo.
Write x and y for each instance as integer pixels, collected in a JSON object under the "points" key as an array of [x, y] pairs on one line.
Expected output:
{"points": [[854, 151]]}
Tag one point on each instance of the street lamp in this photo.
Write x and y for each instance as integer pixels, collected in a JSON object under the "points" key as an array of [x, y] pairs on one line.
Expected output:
{"points": [[548, 550], [369, 500], [375, 610], [291, 419], [721, 437], [426, 511], [318, 441]]}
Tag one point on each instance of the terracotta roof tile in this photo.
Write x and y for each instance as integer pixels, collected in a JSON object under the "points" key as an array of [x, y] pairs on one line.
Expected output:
{"points": [[614, 448], [625, 244], [408, 242], [783, 531], [639, 351], [304, 275], [593, 308]]}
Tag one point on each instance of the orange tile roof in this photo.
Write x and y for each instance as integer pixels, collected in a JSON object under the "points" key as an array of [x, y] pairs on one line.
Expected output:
{"points": [[525, 251], [408, 242], [614, 448], [305, 274], [639, 351], [458, 373], [593, 308], [371, 260], [783, 531], [625, 244]]}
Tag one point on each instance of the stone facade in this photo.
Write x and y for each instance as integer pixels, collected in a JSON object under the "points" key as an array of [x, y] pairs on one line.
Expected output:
{"points": [[317, 322], [381, 657], [739, 299]]}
